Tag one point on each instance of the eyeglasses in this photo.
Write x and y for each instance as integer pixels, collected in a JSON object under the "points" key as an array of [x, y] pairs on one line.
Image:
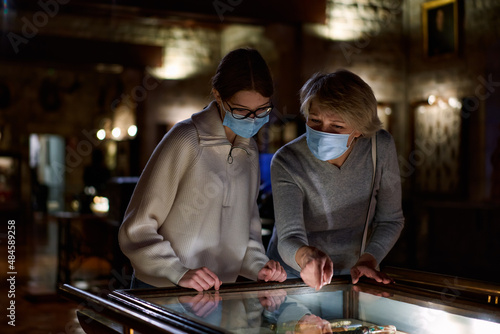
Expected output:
{"points": [[242, 113]]}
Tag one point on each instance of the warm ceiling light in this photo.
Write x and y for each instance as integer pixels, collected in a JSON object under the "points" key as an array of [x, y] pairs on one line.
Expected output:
{"points": [[116, 132], [132, 130], [431, 99], [183, 56], [453, 102], [101, 134]]}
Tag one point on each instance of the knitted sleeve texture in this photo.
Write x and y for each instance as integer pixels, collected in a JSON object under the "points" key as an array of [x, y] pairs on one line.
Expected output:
{"points": [[149, 252], [288, 207]]}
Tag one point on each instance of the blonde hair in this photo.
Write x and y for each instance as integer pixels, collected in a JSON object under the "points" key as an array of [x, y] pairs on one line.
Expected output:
{"points": [[345, 94]]}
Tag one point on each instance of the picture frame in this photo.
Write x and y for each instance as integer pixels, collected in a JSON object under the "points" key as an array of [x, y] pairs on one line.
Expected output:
{"points": [[440, 28]]}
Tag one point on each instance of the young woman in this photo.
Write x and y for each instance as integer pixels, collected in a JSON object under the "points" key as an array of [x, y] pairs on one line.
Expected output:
{"points": [[321, 185], [193, 219]]}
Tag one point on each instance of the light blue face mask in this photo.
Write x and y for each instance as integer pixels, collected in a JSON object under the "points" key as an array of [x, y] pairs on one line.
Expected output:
{"points": [[247, 127], [326, 146]]}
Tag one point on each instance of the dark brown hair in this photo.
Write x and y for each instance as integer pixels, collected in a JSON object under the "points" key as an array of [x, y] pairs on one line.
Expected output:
{"points": [[243, 69]]}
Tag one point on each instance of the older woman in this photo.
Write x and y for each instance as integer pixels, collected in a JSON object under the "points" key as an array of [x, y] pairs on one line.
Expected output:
{"points": [[323, 189]]}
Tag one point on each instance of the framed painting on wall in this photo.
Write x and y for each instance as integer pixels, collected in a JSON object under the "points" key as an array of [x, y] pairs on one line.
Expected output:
{"points": [[440, 28]]}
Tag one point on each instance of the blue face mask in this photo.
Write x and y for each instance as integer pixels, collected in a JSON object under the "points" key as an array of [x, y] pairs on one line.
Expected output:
{"points": [[247, 127], [326, 146]]}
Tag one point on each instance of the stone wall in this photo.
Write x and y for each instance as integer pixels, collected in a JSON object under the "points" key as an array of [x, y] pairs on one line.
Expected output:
{"points": [[381, 40], [79, 101], [463, 76], [367, 38], [88, 93]]}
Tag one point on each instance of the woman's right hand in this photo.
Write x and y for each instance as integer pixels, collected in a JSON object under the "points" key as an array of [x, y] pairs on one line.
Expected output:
{"points": [[200, 279], [316, 267], [312, 324]]}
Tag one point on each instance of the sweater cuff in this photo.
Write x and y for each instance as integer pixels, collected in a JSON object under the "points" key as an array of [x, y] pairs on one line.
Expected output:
{"points": [[170, 274], [176, 271], [377, 252], [251, 267], [288, 253]]}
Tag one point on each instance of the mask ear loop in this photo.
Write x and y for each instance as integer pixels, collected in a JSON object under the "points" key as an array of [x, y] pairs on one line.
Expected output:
{"points": [[220, 106], [220, 110], [229, 156], [353, 140]]}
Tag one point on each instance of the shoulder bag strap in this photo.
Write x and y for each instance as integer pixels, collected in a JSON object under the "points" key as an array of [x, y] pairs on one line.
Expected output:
{"points": [[374, 162]]}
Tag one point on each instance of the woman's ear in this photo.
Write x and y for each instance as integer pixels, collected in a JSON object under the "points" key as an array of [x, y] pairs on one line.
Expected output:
{"points": [[356, 135], [216, 95]]}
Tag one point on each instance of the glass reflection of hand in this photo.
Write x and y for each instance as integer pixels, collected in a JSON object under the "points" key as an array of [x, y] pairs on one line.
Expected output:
{"points": [[374, 292], [312, 324], [271, 299], [203, 304]]}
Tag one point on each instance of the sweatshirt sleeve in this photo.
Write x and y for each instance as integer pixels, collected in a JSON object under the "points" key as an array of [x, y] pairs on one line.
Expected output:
{"points": [[388, 221], [288, 210], [151, 202]]}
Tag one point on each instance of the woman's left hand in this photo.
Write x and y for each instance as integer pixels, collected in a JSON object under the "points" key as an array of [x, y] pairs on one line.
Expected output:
{"points": [[366, 267], [272, 271]]}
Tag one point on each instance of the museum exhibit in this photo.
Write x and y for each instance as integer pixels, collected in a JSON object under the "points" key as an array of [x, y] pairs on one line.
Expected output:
{"points": [[237, 166]]}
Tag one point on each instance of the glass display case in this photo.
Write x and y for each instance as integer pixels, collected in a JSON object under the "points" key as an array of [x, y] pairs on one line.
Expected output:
{"points": [[417, 303]]}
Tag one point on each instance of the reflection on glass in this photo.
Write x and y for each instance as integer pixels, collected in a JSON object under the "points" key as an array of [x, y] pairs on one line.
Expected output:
{"points": [[335, 308], [266, 311], [417, 319]]}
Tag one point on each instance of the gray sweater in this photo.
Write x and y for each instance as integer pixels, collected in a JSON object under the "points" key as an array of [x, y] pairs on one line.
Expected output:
{"points": [[321, 205]]}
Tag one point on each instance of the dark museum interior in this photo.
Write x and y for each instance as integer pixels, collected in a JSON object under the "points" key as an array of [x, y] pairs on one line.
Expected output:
{"points": [[89, 88]]}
